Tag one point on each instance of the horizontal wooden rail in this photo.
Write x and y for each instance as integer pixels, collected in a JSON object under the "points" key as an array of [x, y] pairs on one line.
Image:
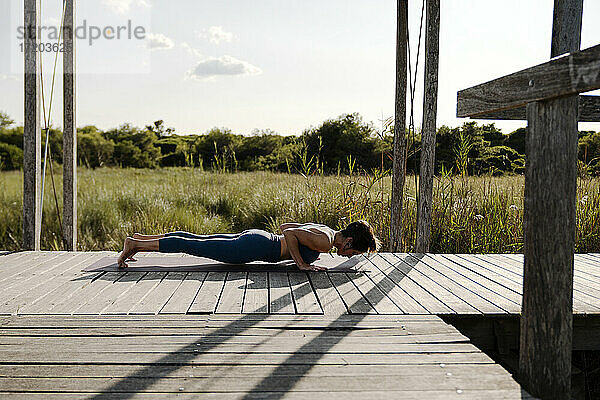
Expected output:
{"points": [[576, 73], [589, 111]]}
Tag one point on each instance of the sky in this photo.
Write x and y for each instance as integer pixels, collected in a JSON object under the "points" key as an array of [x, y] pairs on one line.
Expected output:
{"points": [[283, 65]]}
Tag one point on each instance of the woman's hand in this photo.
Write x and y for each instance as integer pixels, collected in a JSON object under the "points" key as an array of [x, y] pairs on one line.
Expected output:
{"points": [[308, 267]]}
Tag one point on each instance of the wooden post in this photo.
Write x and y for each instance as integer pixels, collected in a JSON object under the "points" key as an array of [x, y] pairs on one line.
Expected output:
{"points": [[32, 134], [432, 44], [399, 163], [549, 227], [69, 132]]}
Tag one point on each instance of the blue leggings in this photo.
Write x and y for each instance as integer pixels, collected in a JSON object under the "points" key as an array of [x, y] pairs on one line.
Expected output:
{"points": [[232, 248]]}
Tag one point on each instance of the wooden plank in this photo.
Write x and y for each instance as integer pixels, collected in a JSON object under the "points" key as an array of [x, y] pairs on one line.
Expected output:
{"points": [[509, 394], [185, 371], [374, 295], [110, 293], [26, 268], [582, 301], [7, 258], [232, 297], [415, 284], [128, 300], [479, 283], [306, 384], [329, 298], [352, 297], [44, 284], [400, 297], [193, 358], [305, 299], [576, 73], [432, 55], [478, 296], [183, 299], [399, 149], [85, 293], [589, 111], [48, 301], [447, 285], [160, 295], [280, 294], [441, 287], [256, 299]]}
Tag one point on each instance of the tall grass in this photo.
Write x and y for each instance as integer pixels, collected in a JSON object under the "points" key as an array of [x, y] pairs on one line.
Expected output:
{"points": [[470, 214]]}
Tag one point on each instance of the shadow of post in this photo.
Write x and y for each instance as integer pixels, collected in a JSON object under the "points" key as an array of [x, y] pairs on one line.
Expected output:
{"points": [[303, 358]]}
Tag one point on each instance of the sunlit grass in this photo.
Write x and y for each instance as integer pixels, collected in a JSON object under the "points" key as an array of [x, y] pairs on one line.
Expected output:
{"points": [[470, 214]]}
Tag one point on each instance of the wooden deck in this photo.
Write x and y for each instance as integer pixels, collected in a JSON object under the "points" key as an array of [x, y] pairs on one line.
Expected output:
{"points": [[68, 334], [52, 283]]}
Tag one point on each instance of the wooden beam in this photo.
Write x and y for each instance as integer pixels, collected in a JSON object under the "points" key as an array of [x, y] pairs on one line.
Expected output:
{"points": [[432, 55], [32, 134], [576, 73], [549, 220], [70, 131], [589, 111], [399, 163]]}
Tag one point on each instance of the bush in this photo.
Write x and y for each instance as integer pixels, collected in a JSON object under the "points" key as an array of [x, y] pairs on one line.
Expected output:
{"points": [[11, 157]]}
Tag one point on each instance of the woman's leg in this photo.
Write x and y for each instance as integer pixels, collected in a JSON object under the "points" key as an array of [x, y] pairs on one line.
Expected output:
{"points": [[187, 235], [216, 248], [132, 246]]}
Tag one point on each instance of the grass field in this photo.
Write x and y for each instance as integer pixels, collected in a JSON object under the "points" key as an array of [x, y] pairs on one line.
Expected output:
{"points": [[470, 215]]}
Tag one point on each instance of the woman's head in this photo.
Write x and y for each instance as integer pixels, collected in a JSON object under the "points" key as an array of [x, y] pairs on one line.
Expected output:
{"points": [[358, 238]]}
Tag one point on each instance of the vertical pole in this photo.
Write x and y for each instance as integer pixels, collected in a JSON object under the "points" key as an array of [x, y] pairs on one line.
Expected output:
{"points": [[70, 131], [32, 134], [549, 227], [399, 163], [432, 55]]}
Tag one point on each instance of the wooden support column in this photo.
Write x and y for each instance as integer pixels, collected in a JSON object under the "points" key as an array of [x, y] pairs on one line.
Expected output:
{"points": [[432, 55], [399, 162], [549, 227], [32, 128], [70, 131]]}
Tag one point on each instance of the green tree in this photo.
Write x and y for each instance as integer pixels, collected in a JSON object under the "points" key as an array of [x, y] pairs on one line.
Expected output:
{"points": [[93, 149], [11, 157]]}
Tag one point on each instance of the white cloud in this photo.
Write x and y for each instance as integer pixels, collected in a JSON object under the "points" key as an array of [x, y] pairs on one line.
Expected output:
{"points": [[216, 35], [212, 67], [158, 41], [191, 50], [123, 6], [11, 77]]}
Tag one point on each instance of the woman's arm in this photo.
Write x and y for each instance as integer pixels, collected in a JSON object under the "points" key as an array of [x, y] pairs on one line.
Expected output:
{"points": [[318, 241]]}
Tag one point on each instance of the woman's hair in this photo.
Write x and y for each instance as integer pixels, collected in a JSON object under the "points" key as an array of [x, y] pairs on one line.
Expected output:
{"points": [[363, 238]]}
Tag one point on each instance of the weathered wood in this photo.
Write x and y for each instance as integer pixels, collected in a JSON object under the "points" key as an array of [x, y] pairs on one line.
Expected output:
{"points": [[589, 111], [549, 215], [206, 296], [280, 294], [378, 298], [432, 44], [110, 294], [565, 76], [256, 299], [399, 152], [139, 290], [32, 132], [415, 284], [182, 299], [85, 293], [305, 299], [328, 296], [160, 295], [508, 394], [69, 130], [352, 297], [232, 297]]}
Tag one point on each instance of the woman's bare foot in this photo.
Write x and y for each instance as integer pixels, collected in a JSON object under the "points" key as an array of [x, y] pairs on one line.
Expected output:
{"points": [[129, 249]]}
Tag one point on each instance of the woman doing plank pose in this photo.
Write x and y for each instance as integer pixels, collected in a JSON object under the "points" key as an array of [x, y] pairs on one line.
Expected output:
{"points": [[300, 242]]}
